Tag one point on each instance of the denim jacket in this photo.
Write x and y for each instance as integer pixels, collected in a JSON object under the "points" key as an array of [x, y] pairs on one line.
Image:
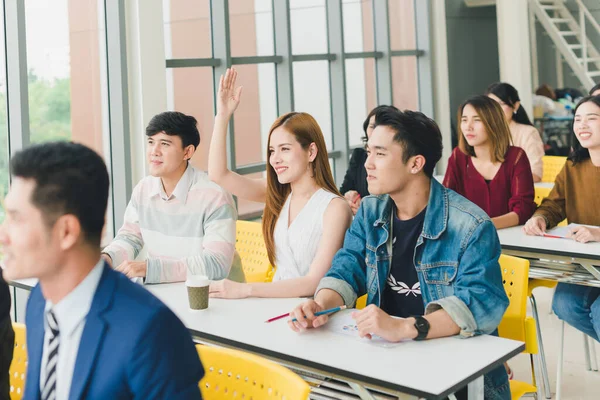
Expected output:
{"points": [[456, 258]]}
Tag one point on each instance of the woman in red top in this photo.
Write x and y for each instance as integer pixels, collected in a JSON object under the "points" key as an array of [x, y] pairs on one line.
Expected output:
{"points": [[486, 169]]}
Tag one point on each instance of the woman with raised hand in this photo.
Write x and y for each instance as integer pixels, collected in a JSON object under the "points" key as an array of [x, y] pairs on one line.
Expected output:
{"points": [[305, 217], [522, 131], [486, 169]]}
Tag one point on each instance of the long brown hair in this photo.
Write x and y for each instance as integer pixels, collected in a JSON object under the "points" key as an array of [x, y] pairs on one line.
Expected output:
{"points": [[495, 124], [306, 131]]}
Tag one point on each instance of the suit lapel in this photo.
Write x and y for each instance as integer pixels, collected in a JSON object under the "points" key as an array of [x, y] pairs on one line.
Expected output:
{"points": [[93, 334], [35, 342]]}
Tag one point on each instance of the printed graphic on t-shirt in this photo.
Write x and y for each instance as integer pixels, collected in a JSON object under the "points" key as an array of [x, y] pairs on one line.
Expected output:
{"points": [[403, 288]]}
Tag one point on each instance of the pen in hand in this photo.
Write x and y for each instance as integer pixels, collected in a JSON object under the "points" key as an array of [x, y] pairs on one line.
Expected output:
{"points": [[331, 310]]}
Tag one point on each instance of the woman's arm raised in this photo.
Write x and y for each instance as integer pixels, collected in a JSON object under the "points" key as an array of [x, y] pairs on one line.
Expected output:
{"points": [[228, 99]]}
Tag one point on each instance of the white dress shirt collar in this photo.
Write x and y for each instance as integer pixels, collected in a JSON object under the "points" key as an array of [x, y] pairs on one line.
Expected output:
{"points": [[181, 189], [74, 307]]}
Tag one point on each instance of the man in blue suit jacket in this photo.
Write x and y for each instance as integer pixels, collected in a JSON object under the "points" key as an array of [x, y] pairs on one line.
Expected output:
{"points": [[91, 332]]}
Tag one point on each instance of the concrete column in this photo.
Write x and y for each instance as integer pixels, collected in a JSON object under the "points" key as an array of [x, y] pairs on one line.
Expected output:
{"points": [[514, 48]]}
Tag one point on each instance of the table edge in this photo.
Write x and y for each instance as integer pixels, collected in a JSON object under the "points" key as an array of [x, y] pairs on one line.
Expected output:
{"points": [[537, 250], [366, 380]]}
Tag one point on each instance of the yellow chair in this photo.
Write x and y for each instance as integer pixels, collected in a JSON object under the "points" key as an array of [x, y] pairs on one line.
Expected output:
{"points": [[361, 302], [515, 324], [552, 166], [540, 194], [232, 374], [18, 367], [250, 245]]}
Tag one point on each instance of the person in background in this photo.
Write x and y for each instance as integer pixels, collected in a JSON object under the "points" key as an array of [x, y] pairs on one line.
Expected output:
{"points": [[523, 133], [575, 196], [7, 339], [185, 221], [305, 217], [414, 233], [91, 332], [595, 91], [354, 188], [545, 98], [486, 169]]}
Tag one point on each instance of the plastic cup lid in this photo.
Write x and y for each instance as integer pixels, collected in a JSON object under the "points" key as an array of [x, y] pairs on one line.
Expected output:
{"points": [[197, 280]]}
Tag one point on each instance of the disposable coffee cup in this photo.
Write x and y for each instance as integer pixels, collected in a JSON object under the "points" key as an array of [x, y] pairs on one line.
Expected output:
{"points": [[197, 288]]}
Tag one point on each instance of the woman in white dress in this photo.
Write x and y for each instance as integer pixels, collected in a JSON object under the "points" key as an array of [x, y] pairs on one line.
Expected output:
{"points": [[305, 217]]}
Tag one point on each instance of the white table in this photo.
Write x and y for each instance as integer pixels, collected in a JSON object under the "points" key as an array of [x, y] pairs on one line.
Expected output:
{"points": [[563, 260], [432, 369]]}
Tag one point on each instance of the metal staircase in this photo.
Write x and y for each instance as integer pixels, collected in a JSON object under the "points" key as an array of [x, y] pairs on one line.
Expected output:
{"points": [[570, 35]]}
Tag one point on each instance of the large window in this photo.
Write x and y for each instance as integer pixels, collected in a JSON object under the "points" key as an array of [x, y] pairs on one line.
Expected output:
{"points": [[54, 55], [4, 150], [335, 59], [67, 81]]}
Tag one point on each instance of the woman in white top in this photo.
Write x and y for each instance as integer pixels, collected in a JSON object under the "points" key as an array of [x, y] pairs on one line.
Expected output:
{"points": [[524, 134], [305, 217]]}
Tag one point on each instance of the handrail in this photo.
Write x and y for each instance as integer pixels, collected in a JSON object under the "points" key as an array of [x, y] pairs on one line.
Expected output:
{"points": [[589, 15]]}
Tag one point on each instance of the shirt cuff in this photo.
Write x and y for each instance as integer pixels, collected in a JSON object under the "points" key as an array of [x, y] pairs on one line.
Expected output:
{"points": [[458, 311], [113, 258], [339, 286], [152, 271], [541, 215]]}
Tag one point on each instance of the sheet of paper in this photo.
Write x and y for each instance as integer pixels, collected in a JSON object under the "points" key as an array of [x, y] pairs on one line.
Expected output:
{"points": [[342, 323], [561, 231]]}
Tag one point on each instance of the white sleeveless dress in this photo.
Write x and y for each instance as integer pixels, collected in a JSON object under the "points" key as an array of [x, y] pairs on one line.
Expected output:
{"points": [[296, 246]]}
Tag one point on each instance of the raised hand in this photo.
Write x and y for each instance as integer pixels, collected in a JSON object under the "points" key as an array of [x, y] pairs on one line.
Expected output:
{"points": [[228, 96]]}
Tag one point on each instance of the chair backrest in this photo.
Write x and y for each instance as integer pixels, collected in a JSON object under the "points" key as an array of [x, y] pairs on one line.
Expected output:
{"points": [[540, 194], [515, 276], [250, 244], [18, 367], [552, 166], [232, 374]]}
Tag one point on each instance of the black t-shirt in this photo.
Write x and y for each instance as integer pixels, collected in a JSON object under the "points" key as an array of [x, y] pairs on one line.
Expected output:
{"points": [[402, 293], [4, 298]]}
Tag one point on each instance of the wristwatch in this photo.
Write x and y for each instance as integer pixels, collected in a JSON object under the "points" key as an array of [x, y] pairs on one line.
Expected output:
{"points": [[422, 326]]}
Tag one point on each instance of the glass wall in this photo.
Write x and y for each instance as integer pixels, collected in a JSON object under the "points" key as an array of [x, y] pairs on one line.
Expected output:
{"points": [[290, 59], [61, 71], [4, 149]]}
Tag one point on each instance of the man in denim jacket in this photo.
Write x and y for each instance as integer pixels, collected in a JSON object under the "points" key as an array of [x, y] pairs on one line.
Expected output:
{"points": [[416, 249]]}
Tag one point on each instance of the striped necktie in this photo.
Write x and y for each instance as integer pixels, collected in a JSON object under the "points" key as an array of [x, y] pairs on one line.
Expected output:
{"points": [[49, 391]]}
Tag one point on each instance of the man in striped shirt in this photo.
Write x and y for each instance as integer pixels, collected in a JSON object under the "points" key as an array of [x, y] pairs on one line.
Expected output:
{"points": [[185, 221]]}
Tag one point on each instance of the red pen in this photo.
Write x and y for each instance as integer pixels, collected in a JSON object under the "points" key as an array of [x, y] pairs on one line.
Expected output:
{"points": [[278, 317], [553, 236], [329, 311]]}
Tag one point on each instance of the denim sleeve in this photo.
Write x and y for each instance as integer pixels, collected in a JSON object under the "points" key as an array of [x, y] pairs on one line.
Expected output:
{"points": [[479, 299], [347, 275]]}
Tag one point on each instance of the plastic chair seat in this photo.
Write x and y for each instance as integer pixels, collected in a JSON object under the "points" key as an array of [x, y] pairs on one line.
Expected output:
{"points": [[233, 374]]}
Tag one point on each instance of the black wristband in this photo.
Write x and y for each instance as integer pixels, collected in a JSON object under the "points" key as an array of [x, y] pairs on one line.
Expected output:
{"points": [[422, 327]]}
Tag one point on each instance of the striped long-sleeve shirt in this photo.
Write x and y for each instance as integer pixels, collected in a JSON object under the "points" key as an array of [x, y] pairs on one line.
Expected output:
{"points": [[191, 231]]}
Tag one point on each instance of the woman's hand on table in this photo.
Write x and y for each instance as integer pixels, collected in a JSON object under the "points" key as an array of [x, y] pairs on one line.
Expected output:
{"points": [[584, 234], [227, 289], [535, 226]]}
